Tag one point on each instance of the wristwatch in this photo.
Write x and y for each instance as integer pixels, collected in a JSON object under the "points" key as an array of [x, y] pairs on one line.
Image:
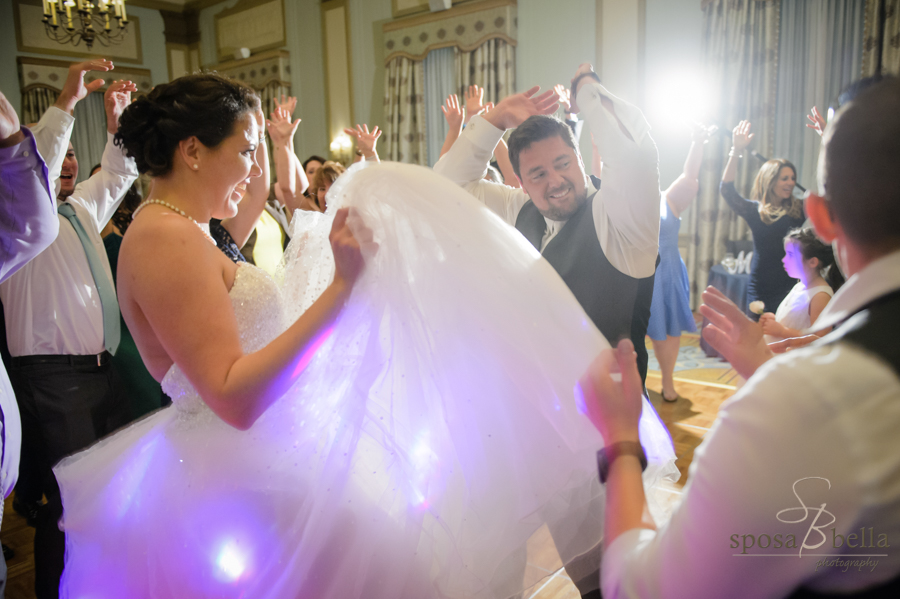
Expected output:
{"points": [[608, 455]]}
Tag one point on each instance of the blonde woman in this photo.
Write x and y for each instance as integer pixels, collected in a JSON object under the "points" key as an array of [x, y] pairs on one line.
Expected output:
{"points": [[771, 212]]}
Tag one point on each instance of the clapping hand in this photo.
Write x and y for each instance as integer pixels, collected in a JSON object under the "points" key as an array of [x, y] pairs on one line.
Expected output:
{"points": [[612, 393], [115, 101], [453, 112], [75, 89], [732, 334], [280, 127], [365, 139], [10, 129], [741, 136], [514, 110], [817, 122]]}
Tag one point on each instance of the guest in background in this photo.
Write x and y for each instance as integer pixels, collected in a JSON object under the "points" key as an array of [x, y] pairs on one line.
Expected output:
{"points": [[812, 262], [28, 225], [771, 212], [325, 177], [670, 311]]}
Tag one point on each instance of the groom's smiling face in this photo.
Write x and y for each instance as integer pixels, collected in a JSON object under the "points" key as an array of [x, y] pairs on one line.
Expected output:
{"points": [[552, 174]]}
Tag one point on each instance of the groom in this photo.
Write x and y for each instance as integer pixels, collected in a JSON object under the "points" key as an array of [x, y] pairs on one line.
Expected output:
{"points": [[603, 243]]}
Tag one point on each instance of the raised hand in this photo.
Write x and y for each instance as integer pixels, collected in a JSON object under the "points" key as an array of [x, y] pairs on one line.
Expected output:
{"points": [[280, 127], [115, 101], [10, 129], [732, 334], [474, 99], [453, 112], [365, 139], [75, 89], [612, 391], [513, 110], [817, 122], [288, 103], [564, 97], [741, 136]]}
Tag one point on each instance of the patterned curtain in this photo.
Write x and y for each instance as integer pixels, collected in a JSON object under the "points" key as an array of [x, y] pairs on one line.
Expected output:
{"points": [[820, 54], [740, 56], [491, 66], [35, 102], [881, 38], [404, 111]]}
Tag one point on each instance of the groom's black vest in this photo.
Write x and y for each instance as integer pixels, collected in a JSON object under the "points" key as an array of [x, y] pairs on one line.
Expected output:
{"points": [[873, 329], [607, 295]]}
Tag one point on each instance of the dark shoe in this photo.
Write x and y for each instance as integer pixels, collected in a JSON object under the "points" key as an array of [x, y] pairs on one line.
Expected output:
{"points": [[27, 509], [8, 553]]}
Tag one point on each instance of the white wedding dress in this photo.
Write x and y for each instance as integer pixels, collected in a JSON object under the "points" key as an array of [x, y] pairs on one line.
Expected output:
{"points": [[434, 429]]}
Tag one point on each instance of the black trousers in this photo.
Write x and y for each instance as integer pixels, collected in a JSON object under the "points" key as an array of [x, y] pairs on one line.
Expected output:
{"points": [[65, 407]]}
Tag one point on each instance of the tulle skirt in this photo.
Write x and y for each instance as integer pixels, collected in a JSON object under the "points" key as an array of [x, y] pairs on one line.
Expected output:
{"points": [[434, 430]]}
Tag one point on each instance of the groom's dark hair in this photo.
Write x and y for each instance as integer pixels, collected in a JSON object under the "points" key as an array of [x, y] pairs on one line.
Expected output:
{"points": [[537, 128], [860, 166]]}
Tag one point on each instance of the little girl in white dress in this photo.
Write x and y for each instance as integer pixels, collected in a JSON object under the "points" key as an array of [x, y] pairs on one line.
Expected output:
{"points": [[812, 262]]}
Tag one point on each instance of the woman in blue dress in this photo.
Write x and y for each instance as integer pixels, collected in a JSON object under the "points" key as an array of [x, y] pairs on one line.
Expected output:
{"points": [[670, 312]]}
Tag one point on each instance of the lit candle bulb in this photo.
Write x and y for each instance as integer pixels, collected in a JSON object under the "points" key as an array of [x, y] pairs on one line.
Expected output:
{"points": [[124, 16], [69, 4], [46, 8], [53, 11]]}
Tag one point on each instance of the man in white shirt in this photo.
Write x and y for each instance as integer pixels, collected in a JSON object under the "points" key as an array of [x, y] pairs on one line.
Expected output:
{"points": [[795, 491], [603, 243], [59, 309]]}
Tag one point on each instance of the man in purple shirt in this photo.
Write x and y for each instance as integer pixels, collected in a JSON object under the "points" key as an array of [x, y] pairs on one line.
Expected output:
{"points": [[28, 224]]}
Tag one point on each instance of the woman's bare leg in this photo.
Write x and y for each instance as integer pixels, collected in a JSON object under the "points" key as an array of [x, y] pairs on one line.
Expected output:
{"points": [[667, 354]]}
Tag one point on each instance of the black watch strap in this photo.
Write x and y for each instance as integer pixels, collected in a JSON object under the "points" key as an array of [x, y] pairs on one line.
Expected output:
{"points": [[608, 455]]}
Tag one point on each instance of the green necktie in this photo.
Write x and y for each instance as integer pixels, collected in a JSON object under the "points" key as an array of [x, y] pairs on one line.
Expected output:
{"points": [[111, 330]]}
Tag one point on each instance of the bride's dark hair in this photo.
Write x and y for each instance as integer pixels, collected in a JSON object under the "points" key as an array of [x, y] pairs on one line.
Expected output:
{"points": [[206, 106]]}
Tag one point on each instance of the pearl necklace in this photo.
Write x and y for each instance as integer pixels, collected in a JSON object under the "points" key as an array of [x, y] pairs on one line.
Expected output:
{"points": [[146, 203]]}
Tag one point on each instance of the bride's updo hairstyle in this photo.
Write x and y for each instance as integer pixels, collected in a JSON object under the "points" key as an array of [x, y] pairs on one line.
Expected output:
{"points": [[206, 106]]}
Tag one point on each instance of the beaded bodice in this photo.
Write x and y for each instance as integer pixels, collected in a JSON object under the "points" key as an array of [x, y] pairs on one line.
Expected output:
{"points": [[257, 307]]}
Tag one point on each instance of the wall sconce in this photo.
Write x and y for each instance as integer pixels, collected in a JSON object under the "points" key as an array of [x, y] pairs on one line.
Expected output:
{"points": [[341, 149]]}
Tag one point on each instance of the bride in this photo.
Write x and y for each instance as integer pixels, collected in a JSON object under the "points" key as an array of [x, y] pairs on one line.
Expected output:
{"points": [[398, 421]]}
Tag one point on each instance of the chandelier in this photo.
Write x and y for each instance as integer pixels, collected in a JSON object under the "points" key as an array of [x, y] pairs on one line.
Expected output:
{"points": [[89, 23]]}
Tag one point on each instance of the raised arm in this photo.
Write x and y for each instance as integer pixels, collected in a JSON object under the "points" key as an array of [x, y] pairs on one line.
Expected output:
{"points": [[366, 141], [28, 222], [454, 115], [501, 155], [53, 131], [467, 161], [101, 194], [241, 225], [682, 192], [627, 213], [740, 140], [290, 180]]}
